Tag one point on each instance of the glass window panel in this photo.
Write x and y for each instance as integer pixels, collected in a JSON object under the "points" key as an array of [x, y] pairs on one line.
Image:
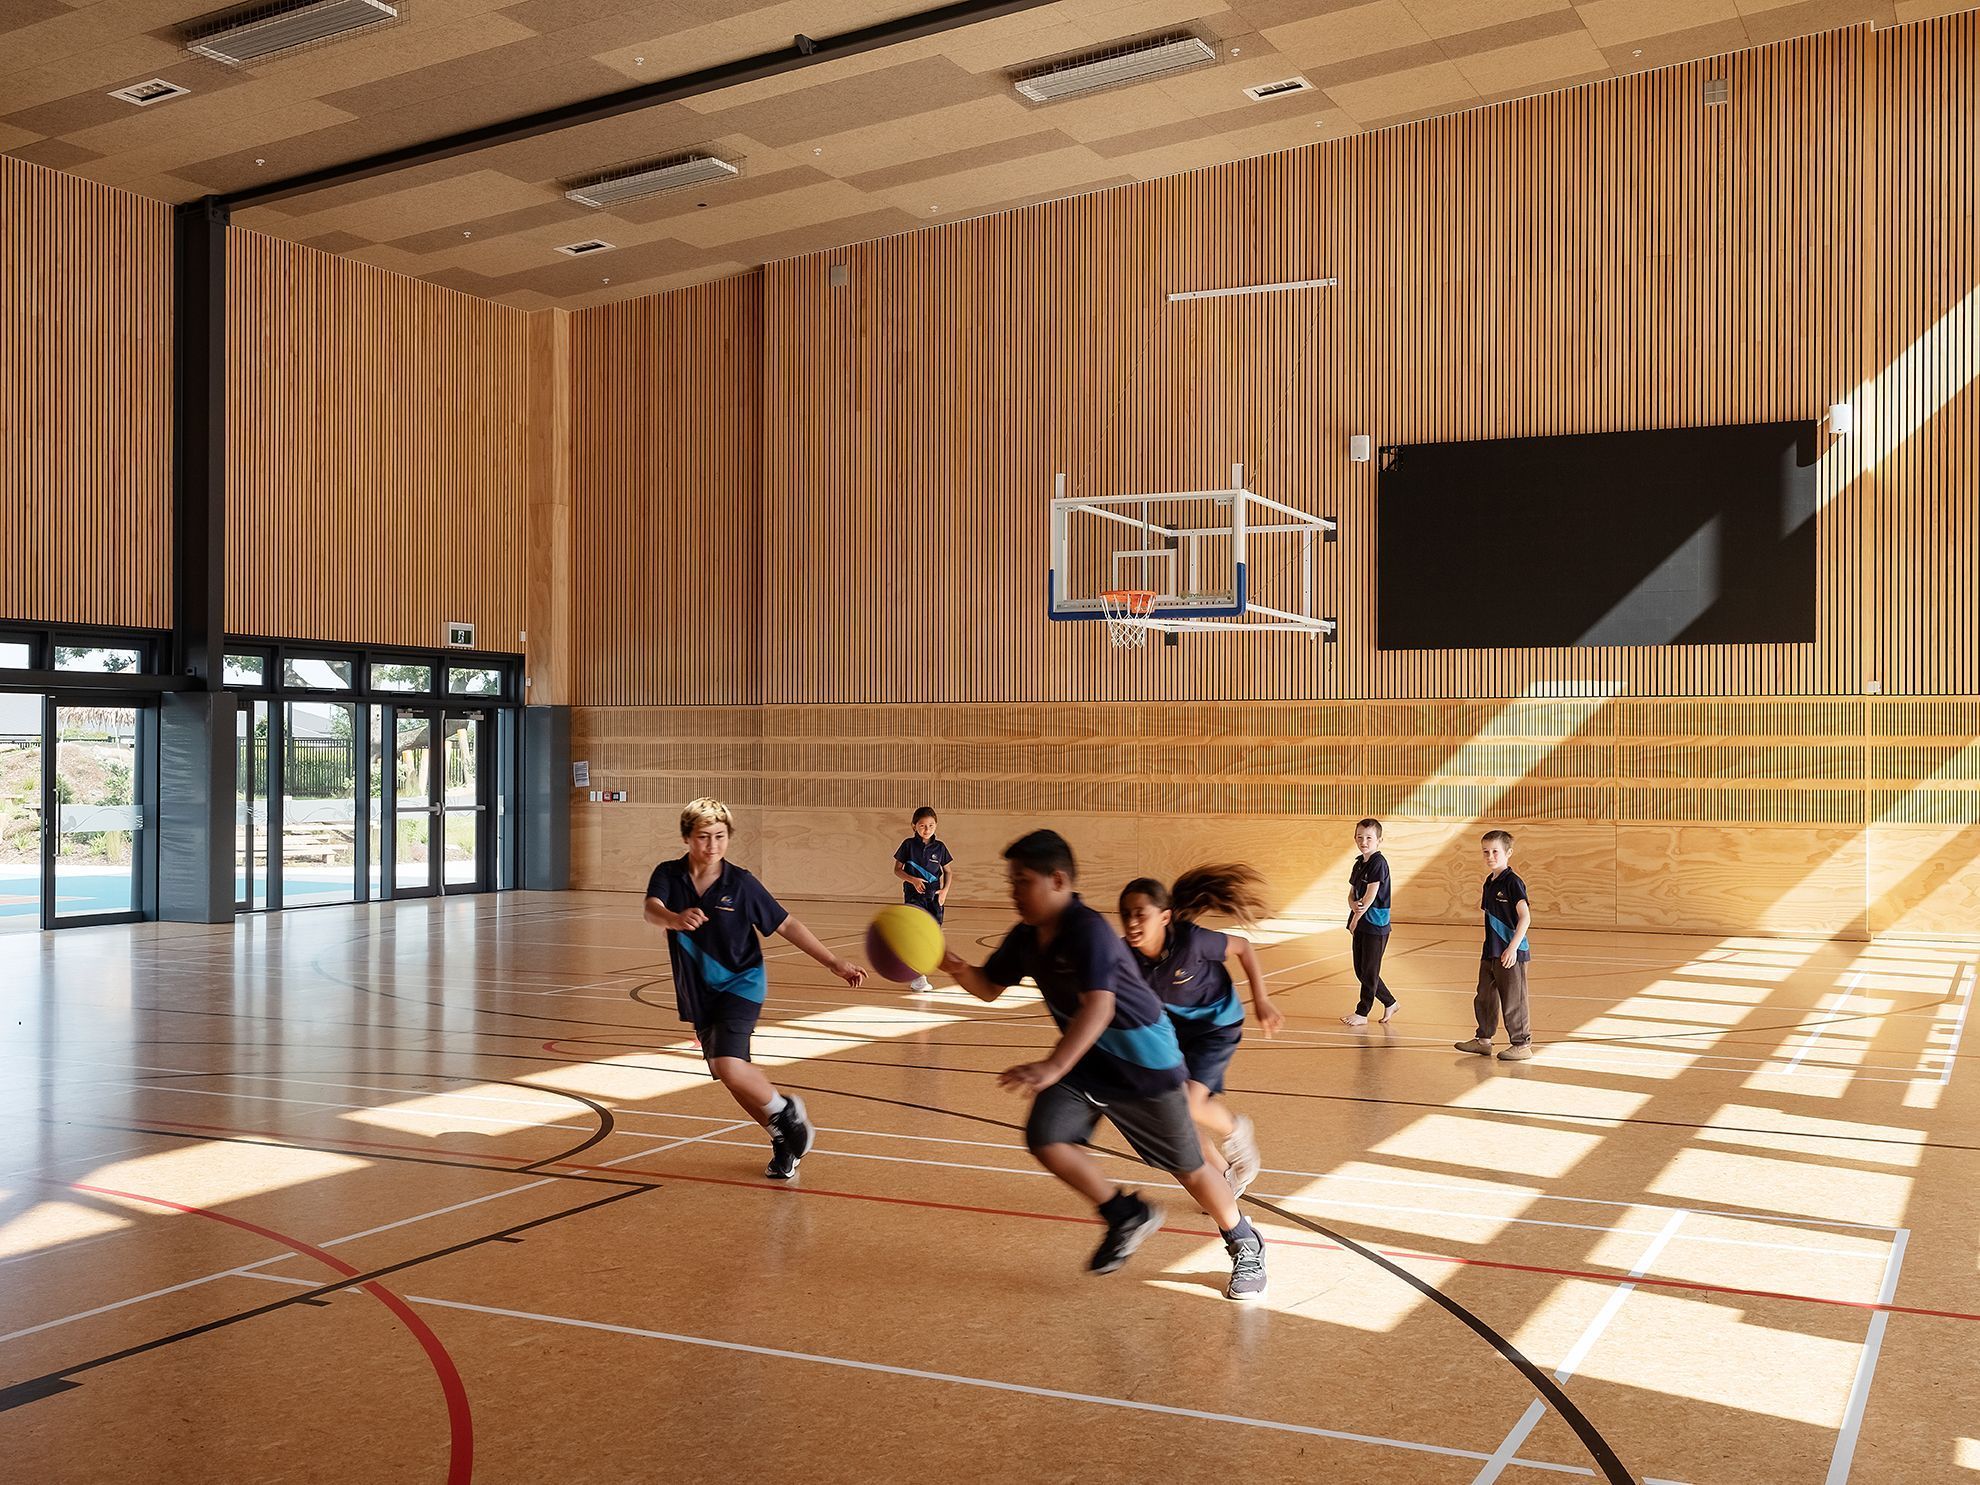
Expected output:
{"points": [[319, 803], [316, 674], [16, 655], [402, 678], [474, 682], [106, 661], [245, 670]]}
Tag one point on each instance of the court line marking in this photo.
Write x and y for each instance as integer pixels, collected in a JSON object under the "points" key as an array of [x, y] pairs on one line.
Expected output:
{"points": [[1369, 1206], [1058, 1394], [15, 1335], [1815, 1033], [712, 1138], [1951, 1053], [1509, 1446], [1866, 1367], [460, 1422]]}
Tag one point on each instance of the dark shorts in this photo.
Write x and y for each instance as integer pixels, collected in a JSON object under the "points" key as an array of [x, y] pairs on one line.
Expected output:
{"points": [[726, 1030], [1207, 1050], [1157, 1129], [925, 901]]}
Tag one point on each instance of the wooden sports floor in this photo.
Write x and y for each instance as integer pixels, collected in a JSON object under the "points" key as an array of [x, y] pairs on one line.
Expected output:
{"points": [[437, 1191]]}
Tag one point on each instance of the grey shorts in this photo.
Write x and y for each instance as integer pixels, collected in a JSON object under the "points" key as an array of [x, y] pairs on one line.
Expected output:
{"points": [[1158, 1129]]}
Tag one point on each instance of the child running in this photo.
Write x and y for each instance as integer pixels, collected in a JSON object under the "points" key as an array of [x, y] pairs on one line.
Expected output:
{"points": [[1116, 1055], [1185, 964], [713, 911]]}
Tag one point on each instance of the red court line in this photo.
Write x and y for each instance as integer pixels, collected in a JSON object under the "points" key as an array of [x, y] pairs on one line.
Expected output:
{"points": [[946, 1206], [1406, 1253], [460, 1422]]}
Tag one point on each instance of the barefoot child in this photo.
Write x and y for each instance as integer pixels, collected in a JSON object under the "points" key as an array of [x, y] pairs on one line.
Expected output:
{"points": [[1185, 964], [1116, 1055], [713, 911]]}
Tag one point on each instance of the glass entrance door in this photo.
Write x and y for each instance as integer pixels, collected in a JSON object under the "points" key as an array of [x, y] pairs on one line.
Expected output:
{"points": [[21, 816], [415, 801], [91, 869], [467, 798]]}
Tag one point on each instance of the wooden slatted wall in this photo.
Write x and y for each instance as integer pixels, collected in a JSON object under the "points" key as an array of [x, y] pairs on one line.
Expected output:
{"points": [[85, 401], [1924, 437], [377, 442], [668, 424], [1616, 256]]}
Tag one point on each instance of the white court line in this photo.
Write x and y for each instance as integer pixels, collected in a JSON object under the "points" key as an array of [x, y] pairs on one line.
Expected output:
{"points": [[1815, 1032], [1517, 1434], [1060, 1394], [1951, 1054], [1866, 1366], [283, 1256], [1365, 1206], [1530, 1196]]}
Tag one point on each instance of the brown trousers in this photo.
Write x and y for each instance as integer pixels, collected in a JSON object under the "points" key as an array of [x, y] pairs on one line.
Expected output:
{"points": [[1501, 988]]}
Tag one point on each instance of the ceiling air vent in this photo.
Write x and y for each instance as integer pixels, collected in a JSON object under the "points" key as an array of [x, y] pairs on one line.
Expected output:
{"points": [[650, 180], [270, 30], [145, 94], [1138, 63], [1278, 89], [584, 249]]}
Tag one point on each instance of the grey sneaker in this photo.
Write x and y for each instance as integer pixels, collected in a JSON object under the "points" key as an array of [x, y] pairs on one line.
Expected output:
{"points": [[1477, 1044], [1241, 1150], [1517, 1052], [1247, 1267], [920, 986]]}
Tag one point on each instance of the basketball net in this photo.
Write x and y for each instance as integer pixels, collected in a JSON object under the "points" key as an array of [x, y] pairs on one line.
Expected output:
{"points": [[1124, 607]]}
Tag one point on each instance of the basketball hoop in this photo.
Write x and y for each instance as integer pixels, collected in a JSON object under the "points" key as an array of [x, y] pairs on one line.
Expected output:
{"points": [[1125, 608]]}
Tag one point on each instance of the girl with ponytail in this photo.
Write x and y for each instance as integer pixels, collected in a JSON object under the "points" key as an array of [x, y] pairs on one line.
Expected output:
{"points": [[1185, 964]]}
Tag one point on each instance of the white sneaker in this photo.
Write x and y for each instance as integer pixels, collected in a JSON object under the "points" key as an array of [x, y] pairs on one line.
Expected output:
{"points": [[920, 986], [1241, 1150]]}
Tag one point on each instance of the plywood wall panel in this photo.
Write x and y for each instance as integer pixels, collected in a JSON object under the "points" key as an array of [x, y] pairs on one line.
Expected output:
{"points": [[85, 401]]}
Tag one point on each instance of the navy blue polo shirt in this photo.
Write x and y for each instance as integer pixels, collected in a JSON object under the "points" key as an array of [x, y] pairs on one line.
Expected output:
{"points": [[1375, 869], [1501, 899], [923, 859], [723, 957], [1191, 977], [1138, 1055]]}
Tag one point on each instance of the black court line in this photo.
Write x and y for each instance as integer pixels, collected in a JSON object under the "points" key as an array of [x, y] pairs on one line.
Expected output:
{"points": [[1599, 1449], [602, 1131], [62, 1379], [1458, 1110]]}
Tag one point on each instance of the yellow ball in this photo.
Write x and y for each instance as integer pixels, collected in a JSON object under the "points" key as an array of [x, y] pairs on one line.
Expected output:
{"points": [[903, 942]]}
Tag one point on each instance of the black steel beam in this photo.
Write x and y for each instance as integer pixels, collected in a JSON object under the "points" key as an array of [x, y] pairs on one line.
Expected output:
{"points": [[804, 51], [199, 441]]}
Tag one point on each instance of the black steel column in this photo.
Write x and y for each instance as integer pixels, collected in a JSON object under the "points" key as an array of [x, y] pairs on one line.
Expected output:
{"points": [[199, 440], [196, 726]]}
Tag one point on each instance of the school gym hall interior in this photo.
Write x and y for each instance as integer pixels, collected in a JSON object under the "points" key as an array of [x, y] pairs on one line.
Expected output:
{"points": [[640, 642]]}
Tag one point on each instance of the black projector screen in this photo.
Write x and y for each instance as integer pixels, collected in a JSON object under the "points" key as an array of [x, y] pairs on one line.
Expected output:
{"points": [[1682, 536]]}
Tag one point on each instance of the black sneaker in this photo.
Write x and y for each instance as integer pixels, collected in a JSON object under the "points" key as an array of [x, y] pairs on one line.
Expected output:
{"points": [[1132, 1226], [1247, 1266], [790, 1140]]}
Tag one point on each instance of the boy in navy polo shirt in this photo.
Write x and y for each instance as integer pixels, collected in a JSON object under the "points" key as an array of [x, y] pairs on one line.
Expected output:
{"points": [[713, 911], [922, 863], [1116, 1055], [1502, 970], [1368, 922]]}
